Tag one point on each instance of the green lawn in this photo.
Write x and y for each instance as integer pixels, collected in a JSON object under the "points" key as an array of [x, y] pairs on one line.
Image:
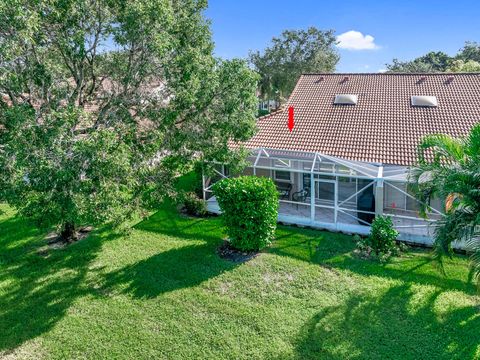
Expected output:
{"points": [[162, 292]]}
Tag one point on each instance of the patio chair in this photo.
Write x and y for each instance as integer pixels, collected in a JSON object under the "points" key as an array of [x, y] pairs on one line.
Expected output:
{"points": [[284, 190], [301, 196]]}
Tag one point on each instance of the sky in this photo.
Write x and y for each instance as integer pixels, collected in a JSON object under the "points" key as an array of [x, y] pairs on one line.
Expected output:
{"points": [[370, 33]]}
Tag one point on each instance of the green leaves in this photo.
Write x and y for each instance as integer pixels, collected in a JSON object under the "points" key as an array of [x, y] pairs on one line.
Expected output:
{"points": [[105, 103], [293, 53], [449, 168], [381, 243], [249, 207], [466, 60]]}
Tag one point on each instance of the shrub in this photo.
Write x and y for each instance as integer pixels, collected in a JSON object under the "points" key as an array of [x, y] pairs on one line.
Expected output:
{"points": [[381, 242], [263, 112], [249, 207], [192, 204], [382, 235]]}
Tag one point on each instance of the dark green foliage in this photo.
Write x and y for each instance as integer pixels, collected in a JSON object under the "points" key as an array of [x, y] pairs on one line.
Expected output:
{"points": [[263, 112], [197, 181], [449, 168], [292, 53], [192, 204], [382, 235], [470, 52], [103, 104], [381, 243], [431, 62], [250, 209], [466, 60]]}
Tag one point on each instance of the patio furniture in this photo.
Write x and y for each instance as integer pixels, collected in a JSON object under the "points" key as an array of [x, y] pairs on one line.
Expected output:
{"points": [[301, 196], [284, 190]]}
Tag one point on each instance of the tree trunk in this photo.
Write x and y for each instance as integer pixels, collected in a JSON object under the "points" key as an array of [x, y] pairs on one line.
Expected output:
{"points": [[68, 233]]}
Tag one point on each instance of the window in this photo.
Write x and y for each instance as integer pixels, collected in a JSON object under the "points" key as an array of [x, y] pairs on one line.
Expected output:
{"points": [[282, 176]]}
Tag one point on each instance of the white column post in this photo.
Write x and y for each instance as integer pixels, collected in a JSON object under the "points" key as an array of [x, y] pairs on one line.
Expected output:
{"points": [[379, 192], [203, 185], [335, 201], [312, 197]]}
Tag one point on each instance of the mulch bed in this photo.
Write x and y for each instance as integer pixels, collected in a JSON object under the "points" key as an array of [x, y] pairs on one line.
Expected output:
{"points": [[54, 241], [227, 252]]}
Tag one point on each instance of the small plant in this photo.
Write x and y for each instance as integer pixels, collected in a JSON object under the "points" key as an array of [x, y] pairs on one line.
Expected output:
{"points": [[192, 204], [263, 112], [249, 206], [381, 243]]}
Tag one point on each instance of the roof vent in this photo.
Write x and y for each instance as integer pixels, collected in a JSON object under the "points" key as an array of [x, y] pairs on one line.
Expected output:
{"points": [[346, 99], [422, 79], [428, 101]]}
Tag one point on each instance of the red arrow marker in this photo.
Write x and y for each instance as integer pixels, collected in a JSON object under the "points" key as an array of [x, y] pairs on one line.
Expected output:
{"points": [[291, 123]]}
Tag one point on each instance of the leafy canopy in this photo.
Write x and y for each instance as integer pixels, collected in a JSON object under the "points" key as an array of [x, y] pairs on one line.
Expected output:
{"points": [[466, 60], [464, 66], [103, 103], [449, 168], [293, 53]]}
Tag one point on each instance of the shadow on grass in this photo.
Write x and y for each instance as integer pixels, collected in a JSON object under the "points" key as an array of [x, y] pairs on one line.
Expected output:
{"points": [[167, 271], [166, 221], [392, 326], [183, 266], [36, 291], [336, 251]]}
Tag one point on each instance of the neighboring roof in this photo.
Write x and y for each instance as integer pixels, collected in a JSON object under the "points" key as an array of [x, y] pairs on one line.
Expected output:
{"points": [[382, 127]]}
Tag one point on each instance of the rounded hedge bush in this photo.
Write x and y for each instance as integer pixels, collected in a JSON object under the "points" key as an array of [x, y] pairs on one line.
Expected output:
{"points": [[249, 207]]}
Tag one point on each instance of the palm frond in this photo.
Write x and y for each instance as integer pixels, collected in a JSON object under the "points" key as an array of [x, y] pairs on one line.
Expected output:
{"points": [[474, 245], [441, 148], [473, 142], [450, 168]]}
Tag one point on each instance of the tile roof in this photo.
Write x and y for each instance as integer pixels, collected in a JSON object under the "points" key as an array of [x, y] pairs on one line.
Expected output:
{"points": [[382, 127]]}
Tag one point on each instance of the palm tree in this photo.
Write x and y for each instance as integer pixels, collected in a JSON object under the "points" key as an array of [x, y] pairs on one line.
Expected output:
{"points": [[449, 168]]}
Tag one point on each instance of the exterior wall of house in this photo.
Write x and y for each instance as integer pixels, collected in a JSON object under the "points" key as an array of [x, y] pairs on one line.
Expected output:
{"points": [[343, 201]]}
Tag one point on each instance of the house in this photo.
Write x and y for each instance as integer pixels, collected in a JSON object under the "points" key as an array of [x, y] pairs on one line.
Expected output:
{"points": [[355, 136], [268, 105]]}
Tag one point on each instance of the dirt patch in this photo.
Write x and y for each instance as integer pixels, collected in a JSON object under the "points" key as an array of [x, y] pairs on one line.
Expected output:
{"points": [[54, 241], [30, 350], [227, 252]]}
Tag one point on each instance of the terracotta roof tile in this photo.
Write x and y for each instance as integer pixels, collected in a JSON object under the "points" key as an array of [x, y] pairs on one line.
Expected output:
{"points": [[382, 127]]}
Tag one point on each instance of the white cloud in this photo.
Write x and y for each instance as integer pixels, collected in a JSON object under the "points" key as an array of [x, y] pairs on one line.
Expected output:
{"points": [[355, 40]]}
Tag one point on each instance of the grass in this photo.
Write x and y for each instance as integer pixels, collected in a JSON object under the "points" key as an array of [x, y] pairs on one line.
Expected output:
{"points": [[162, 292]]}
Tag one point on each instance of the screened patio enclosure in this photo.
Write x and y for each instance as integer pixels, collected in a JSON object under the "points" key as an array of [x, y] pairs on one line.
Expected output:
{"points": [[331, 193]]}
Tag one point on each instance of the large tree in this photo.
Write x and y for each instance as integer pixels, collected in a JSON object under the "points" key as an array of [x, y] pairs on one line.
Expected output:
{"points": [[430, 62], [466, 60], [293, 53], [104, 102], [449, 168], [470, 51], [464, 66]]}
